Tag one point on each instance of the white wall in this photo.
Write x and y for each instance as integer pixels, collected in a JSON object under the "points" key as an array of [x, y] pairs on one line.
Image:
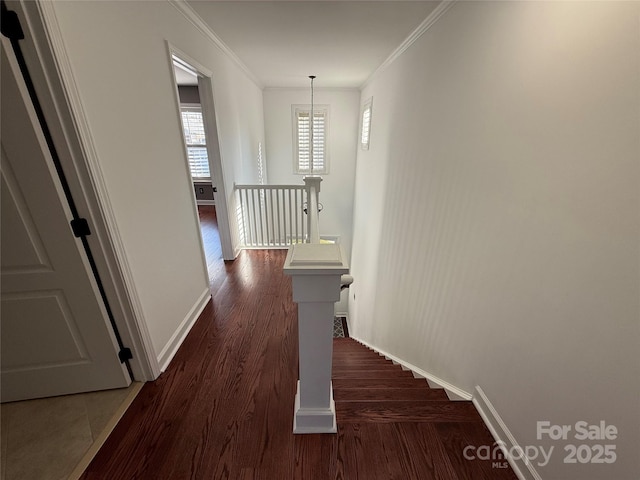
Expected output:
{"points": [[121, 65], [496, 236], [336, 190]]}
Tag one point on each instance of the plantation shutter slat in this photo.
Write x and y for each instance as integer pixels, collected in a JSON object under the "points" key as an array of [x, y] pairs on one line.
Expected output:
{"points": [[365, 135], [195, 140], [303, 137]]}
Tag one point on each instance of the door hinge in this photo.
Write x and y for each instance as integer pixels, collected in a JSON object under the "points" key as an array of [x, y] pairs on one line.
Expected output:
{"points": [[80, 227], [10, 24], [125, 354]]}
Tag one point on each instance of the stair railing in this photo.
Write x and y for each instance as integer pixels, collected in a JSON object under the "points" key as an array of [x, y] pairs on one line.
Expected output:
{"points": [[279, 216], [272, 216]]}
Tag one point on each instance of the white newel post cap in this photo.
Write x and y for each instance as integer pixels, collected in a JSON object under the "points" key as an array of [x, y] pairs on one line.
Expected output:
{"points": [[315, 265], [312, 180]]}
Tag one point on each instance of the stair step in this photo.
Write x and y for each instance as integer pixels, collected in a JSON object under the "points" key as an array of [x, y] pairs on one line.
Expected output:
{"points": [[351, 359], [407, 411], [398, 382], [363, 356], [360, 364], [353, 350], [345, 341], [370, 373], [351, 347], [386, 394], [365, 368]]}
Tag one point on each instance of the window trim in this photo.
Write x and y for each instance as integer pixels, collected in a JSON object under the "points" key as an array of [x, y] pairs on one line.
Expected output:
{"points": [[302, 108], [368, 105], [198, 107]]}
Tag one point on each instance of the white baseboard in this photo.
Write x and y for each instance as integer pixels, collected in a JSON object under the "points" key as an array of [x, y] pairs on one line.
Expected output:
{"points": [[524, 470], [180, 334], [205, 202], [454, 393]]}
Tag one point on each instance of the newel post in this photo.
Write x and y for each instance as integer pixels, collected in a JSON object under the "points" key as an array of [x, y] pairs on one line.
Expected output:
{"points": [[315, 270], [313, 191]]}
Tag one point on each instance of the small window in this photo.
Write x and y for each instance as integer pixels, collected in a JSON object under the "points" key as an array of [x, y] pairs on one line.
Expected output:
{"points": [[365, 130], [302, 134], [195, 140]]}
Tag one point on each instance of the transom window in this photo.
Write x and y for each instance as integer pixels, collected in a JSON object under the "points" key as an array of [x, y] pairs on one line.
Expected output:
{"points": [[365, 131]]}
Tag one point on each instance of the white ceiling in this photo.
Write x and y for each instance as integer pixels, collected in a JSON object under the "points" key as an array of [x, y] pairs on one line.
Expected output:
{"points": [[341, 42]]}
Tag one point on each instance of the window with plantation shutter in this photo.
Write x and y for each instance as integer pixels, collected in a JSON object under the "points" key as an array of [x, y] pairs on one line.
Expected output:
{"points": [[365, 130], [195, 140], [303, 164]]}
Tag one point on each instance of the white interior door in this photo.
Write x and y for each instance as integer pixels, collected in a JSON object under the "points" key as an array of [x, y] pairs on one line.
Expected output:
{"points": [[55, 333]]}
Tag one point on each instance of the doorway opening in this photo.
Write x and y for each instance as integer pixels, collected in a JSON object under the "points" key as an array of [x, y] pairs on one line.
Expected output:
{"points": [[199, 129]]}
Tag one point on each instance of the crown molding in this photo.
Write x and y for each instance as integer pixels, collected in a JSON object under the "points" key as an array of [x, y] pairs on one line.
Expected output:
{"points": [[427, 23], [190, 14], [317, 89]]}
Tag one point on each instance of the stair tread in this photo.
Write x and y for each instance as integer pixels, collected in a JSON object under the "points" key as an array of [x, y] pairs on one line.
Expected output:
{"points": [[351, 347], [351, 351], [346, 363], [365, 368], [353, 358], [399, 382], [385, 394], [406, 411], [372, 373]]}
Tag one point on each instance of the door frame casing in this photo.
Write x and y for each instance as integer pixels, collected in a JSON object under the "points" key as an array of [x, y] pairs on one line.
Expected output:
{"points": [[216, 167], [50, 69]]}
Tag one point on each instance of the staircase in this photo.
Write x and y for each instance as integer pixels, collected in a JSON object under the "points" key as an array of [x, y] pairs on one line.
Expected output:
{"points": [[392, 425]]}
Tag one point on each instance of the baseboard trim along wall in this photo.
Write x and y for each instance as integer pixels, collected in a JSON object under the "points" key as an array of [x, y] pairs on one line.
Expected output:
{"points": [[170, 349], [454, 393], [523, 469]]}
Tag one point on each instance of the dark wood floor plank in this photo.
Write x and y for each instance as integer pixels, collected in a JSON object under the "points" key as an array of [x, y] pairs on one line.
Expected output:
{"points": [[421, 412], [425, 451], [356, 443], [456, 437], [316, 456], [388, 394]]}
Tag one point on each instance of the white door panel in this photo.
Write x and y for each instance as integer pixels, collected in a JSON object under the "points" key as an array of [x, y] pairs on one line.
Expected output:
{"points": [[55, 333]]}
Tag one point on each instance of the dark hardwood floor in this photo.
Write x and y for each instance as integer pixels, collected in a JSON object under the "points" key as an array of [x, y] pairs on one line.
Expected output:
{"points": [[224, 407]]}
